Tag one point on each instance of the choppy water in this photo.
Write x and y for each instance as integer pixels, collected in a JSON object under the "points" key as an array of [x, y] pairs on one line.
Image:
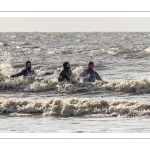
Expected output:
{"points": [[122, 99]]}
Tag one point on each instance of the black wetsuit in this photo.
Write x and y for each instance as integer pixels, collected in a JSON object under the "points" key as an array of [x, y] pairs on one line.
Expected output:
{"points": [[65, 74], [25, 72]]}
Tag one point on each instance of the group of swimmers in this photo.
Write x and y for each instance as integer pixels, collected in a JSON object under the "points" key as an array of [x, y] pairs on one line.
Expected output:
{"points": [[89, 75]]}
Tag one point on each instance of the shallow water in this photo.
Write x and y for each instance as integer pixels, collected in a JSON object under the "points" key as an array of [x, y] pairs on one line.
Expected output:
{"points": [[74, 125], [120, 103]]}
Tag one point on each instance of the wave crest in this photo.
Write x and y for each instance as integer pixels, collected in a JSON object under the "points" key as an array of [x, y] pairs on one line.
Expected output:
{"points": [[76, 107]]}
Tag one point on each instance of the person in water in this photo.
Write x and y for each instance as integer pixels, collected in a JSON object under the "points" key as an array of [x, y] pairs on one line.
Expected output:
{"points": [[25, 72], [65, 73], [89, 75]]}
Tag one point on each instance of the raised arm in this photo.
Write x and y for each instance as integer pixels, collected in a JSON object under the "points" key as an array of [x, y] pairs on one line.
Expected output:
{"points": [[23, 72], [48, 73]]}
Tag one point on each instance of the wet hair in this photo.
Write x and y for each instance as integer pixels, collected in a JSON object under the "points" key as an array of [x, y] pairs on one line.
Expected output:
{"points": [[65, 63], [91, 63], [28, 62]]}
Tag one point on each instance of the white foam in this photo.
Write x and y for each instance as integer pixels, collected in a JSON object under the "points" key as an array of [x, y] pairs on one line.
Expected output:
{"points": [[5, 66], [76, 107], [37, 83], [147, 50]]}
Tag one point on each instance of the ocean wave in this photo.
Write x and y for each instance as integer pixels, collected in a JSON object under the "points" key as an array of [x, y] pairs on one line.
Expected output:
{"points": [[37, 84], [130, 86], [28, 45], [76, 107]]}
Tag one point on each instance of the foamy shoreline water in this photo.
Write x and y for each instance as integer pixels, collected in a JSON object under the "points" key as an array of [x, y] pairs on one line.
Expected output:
{"points": [[75, 107]]}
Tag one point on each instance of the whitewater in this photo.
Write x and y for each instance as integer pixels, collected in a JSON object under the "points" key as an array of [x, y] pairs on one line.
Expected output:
{"points": [[119, 103]]}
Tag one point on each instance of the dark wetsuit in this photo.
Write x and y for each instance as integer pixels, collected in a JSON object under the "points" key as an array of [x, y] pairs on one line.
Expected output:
{"points": [[65, 74], [90, 75], [25, 72]]}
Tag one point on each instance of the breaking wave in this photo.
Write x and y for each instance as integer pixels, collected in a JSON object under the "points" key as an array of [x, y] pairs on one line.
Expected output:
{"points": [[38, 84], [75, 107]]}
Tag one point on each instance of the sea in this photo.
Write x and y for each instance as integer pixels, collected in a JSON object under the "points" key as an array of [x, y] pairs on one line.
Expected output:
{"points": [[40, 104]]}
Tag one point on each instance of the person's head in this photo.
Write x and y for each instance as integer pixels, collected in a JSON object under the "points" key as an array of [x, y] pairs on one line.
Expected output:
{"points": [[28, 64], [66, 65], [90, 65]]}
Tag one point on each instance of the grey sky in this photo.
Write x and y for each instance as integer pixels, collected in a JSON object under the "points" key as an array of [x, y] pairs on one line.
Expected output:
{"points": [[74, 24]]}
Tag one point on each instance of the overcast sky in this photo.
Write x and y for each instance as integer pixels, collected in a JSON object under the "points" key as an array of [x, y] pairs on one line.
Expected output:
{"points": [[74, 24]]}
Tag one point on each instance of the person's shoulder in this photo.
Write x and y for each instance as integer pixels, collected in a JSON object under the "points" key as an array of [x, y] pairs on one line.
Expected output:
{"points": [[95, 71], [24, 70], [62, 71]]}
